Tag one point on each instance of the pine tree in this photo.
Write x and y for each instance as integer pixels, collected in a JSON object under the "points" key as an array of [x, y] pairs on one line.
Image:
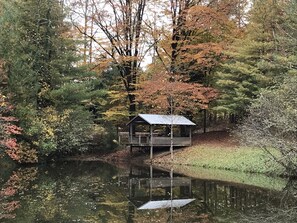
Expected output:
{"points": [[39, 59], [256, 61]]}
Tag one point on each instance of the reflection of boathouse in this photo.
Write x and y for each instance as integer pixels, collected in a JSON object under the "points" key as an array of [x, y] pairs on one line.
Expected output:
{"points": [[155, 191], [156, 195]]}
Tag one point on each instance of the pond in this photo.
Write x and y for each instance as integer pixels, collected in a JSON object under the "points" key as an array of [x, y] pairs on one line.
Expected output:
{"points": [[100, 192]]}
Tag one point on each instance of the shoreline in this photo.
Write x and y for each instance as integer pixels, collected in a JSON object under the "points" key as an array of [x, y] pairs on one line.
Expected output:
{"points": [[213, 156]]}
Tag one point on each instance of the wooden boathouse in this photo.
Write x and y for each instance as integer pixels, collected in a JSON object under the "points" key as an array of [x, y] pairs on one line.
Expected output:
{"points": [[152, 130]]}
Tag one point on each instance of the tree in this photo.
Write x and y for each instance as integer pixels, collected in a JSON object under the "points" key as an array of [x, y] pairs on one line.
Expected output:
{"points": [[161, 94], [255, 61], [287, 33], [207, 32], [121, 22], [18, 182], [40, 59], [198, 32], [8, 135], [191, 47], [84, 10], [272, 123]]}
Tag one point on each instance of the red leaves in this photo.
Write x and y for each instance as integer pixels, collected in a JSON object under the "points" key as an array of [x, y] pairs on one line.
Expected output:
{"points": [[18, 182], [11, 206], [8, 130], [9, 191], [11, 129], [12, 149], [8, 119]]}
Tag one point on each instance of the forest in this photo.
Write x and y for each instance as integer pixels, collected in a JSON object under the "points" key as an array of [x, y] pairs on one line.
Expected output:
{"points": [[73, 72]]}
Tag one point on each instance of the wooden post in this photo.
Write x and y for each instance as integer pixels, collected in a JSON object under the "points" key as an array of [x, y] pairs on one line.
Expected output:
{"points": [[190, 136], [171, 194], [171, 128], [151, 142], [204, 120], [130, 136], [171, 141], [151, 181]]}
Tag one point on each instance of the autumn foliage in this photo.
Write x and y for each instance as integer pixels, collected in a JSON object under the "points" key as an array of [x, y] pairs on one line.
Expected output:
{"points": [[165, 89], [8, 131], [18, 182]]}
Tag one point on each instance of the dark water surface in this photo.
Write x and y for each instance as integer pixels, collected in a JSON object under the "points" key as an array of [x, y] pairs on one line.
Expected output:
{"points": [[100, 192]]}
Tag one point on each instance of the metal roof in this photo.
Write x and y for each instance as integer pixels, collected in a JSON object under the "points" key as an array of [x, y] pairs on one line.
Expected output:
{"points": [[177, 203], [154, 119]]}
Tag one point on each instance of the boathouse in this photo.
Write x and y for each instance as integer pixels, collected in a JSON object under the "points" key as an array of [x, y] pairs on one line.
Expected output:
{"points": [[152, 130]]}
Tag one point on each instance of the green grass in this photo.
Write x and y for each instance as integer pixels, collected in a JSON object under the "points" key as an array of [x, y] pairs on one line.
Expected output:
{"points": [[242, 159], [252, 179]]}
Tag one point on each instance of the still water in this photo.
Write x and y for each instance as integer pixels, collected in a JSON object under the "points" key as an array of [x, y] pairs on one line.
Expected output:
{"points": [[100, 192]]}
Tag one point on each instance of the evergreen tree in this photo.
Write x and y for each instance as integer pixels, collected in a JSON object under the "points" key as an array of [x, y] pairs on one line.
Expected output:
{"points": [[256, 61], [288, 33], [39, 59]]}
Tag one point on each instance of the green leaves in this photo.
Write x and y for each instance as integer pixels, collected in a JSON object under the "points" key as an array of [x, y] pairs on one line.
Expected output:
{"points": [[256, 61], [46, 87]]}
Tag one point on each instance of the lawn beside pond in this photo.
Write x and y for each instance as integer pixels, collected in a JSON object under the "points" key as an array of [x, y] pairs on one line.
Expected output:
{"points": [[224, 156]]}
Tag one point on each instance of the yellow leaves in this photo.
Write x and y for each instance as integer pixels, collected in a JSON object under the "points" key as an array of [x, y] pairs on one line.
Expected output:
{"points": [[50, 197], [44, 90], [103, 64], [117, 114], [51, 115], [49, 132], [49, 121], [2, 100]]}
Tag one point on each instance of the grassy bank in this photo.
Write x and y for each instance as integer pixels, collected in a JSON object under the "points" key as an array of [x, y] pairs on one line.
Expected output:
{"points": [[235, 177], [242, 159]]}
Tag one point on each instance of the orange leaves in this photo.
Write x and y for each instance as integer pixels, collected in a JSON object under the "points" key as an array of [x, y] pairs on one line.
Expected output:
{"points": [[209, 31], [202, 18], [164, 88], [204, 54]]}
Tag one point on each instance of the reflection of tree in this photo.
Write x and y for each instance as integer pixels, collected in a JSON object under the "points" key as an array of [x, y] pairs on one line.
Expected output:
{"points": [[284, 212], [18, 182], [97, 192], [73, 191], [275, 215]]}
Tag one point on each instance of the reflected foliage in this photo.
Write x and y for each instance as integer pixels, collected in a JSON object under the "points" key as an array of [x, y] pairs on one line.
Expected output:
{"points": [[98, 192], [18, 183]]}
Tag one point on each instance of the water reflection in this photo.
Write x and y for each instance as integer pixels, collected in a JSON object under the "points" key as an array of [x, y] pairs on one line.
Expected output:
{"points": [[98, 192], [159, 191]]}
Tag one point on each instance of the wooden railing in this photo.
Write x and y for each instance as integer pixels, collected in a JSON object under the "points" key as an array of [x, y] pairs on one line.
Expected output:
{"points": [[160, 182], [143, 139], [177, 141]]}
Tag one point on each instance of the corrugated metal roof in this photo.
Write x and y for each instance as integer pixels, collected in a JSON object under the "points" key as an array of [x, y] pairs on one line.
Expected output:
{"points": [[154, 119], [177, 203]]}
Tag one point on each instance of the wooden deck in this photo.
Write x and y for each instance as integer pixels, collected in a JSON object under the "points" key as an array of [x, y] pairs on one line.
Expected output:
{"points": [[144, 140]]}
